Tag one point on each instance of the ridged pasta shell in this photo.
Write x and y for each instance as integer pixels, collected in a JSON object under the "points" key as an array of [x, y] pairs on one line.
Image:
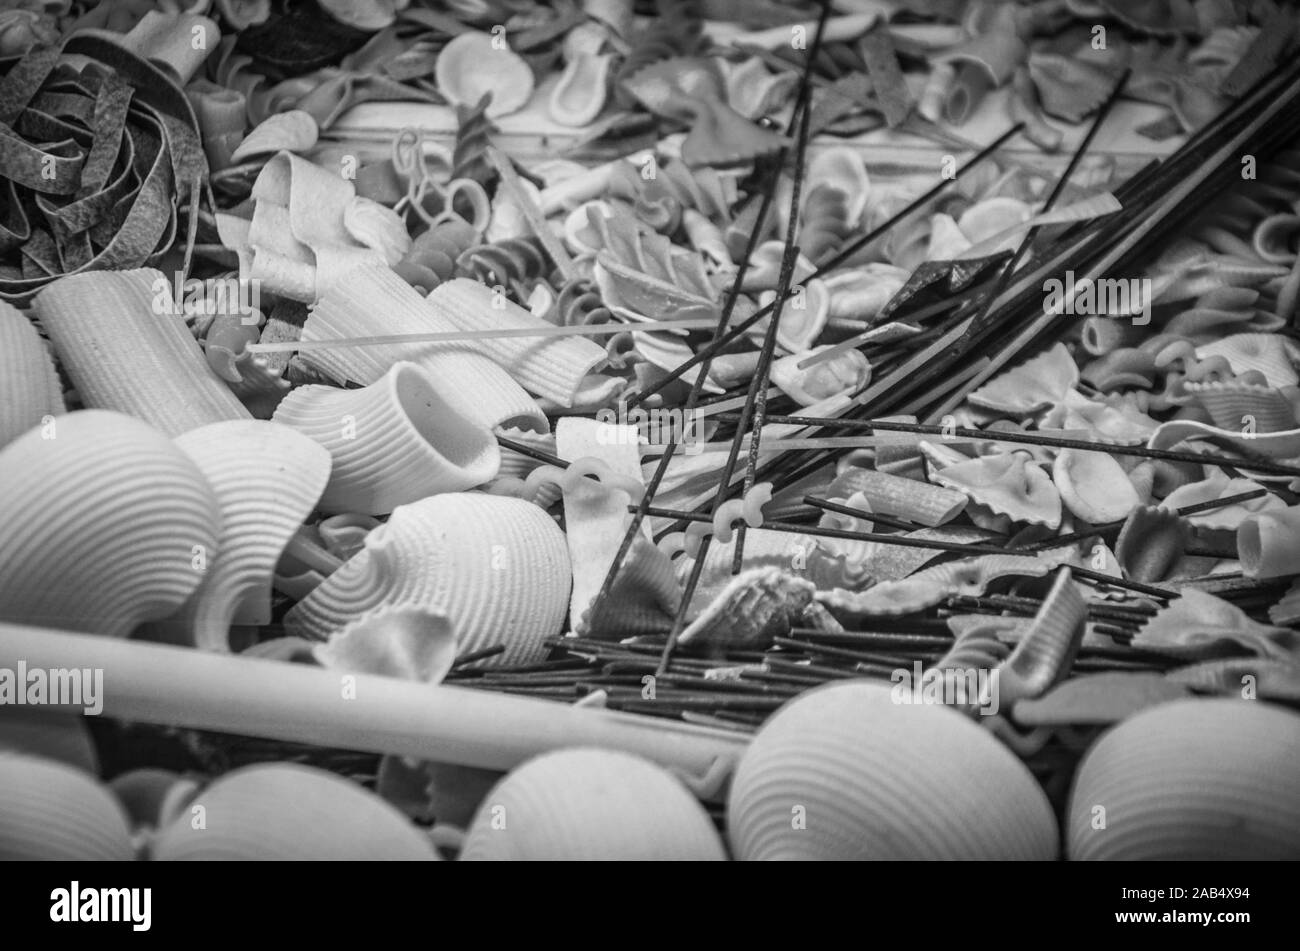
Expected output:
{"points": [[755, 607], [125, 350], [473, 64], [392, 442], [50, 735], [375, 302], [1048, 648], [54, 812], [101, 525], [1008, 484], [1268, 544], [1093, 486], [1233, 404], [1151, 543], [1275, 238], [873, 776], [29, 387], [1263, 352], [287, 812], [496, 568], [267, 479], [1199, 625], [590, 804], [1191, 780]]}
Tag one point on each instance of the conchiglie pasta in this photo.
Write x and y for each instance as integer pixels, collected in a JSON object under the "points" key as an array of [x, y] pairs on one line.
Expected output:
{"points": [[104, 525], [495, 567]]}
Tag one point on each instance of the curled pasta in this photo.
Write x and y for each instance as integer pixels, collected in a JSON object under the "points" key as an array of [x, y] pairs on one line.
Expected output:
{"points": [[468, 159], [575, 475], [433, 255], [513, 263]]}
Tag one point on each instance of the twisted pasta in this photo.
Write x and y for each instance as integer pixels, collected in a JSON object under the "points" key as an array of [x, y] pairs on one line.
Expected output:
{"points": [[515, 264], [472, 132], [578, 302], [825, 223], [433, 255]]}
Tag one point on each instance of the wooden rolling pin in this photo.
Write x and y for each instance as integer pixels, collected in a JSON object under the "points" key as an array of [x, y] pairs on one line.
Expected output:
{"points": [[179, 686]]}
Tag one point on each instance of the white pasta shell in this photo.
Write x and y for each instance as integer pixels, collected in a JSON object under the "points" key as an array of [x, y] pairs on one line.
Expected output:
{"points": [[55, 812], [475, 63], [495, 567], [842, 168], [267, 479], [576, 100], [1191, 780], [374, 301], [287, 812], [1093, 486], [1275, 238], [850, 771], [392, 442], [29, 387], [125, 350], [100, 525], [554, 368], [919, 502], [591, 804], [1263, 352]]}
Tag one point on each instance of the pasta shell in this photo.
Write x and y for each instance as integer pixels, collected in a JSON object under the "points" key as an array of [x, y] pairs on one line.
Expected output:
{"points": [[392, 442], [495, 567], [267, 479], [375, 302], [1268, 544], [878, 777], [580, 94], [843, 169], [1047, 650], [862, 293], [473, 65], [1193, 779], [29, 387], [1234, 404], [1263, 352], [946, 239], [119, 339], [54, 812], [410, 643], [753, 91], [1093, 486], [1008, 484], [287, 812], [1277, 238], [106, 525], [1151, 543], [583, 804]]}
